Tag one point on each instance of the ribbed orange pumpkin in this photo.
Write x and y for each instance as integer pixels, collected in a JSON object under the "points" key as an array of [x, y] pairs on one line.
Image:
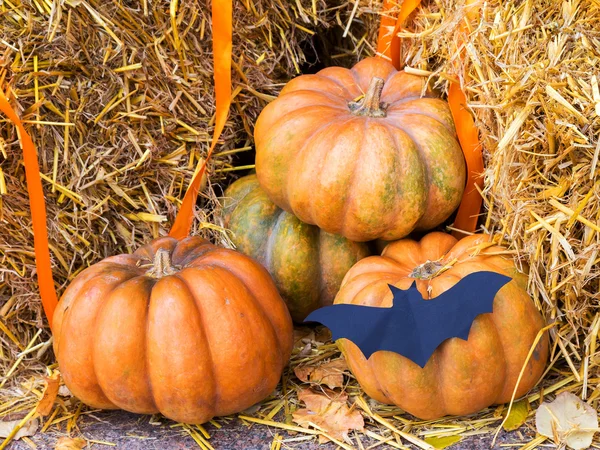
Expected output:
{"points": [[183, 328], [461, 377], [366, 167]]}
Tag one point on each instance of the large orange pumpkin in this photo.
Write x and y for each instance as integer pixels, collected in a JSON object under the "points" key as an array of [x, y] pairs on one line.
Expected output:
{"points": [[361, 152], [461, 377], [183, 328]]}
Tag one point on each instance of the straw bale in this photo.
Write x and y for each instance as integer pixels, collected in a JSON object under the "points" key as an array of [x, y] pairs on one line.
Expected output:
{"points": [[118, 97], [532, 87]]}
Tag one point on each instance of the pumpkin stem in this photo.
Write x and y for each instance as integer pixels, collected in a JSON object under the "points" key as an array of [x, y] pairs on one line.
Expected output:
{"points": [[427, 270], [370, 105], [162, 265]]}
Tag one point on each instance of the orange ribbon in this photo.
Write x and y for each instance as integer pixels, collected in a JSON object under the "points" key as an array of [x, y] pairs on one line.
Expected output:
{"points": [[388, 46], [222, 12], [468, 136], [38, 212], [222, 45]]}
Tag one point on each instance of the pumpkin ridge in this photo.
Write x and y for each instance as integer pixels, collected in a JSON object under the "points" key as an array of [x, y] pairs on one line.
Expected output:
{"points": [[506, 365], [259, 307], [335, 80], [438, 383], [136, 282], [319, 251], [312, 203], [182, 256], [270, 135], [421, 113], [423, 93], [497, 268], [422, 161], [295, 162], [199, 312], [273, 228], [298, 112], [405, 100], [329, 95], [318, 75], [120, 266], [257, 304], [146, 355], [352, 178], [355, 75], [377, 380], [371, 283], [95, 321], [449, 190]]}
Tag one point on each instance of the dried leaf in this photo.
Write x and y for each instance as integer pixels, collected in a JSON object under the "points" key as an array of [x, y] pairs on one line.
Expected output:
{"points": [[63, 391], [443, 441], [302, 335], [46, 404], [29, 429], [67, 443], [518, 415], [305, 335], [568, 421], [330, 374], [328, 412]]}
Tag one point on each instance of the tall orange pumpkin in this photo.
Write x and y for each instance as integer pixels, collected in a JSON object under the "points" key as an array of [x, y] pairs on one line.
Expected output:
{"points": [[366, 152], [183, 328], [461, 377]]}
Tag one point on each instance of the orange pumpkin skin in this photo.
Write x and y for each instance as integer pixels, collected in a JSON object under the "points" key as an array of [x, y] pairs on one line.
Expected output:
{"points": [[461, 377], [376, 168], [207, 336]]}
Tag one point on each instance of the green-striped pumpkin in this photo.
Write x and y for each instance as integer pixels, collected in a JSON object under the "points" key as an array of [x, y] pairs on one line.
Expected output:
{"points": [[307, 264]]}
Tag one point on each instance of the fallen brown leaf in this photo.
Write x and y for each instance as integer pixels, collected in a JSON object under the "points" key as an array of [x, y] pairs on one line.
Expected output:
{"points": [[46, 404], [29, 429], [64, 391], [302, 335], [328, 412], [306, 335], [568, 421], [330, 374], [67, 443]]}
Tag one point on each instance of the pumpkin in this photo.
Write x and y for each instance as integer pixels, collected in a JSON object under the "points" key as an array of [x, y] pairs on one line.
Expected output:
{"points": [[361, 152], [183, 328], [306, 263], [461, 377]]}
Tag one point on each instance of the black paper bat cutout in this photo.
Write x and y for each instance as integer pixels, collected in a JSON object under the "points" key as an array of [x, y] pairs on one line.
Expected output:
{"points": [[413, 327]]}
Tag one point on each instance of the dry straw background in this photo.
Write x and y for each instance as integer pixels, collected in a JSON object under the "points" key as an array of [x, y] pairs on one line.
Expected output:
{"points": [[118, 97]]}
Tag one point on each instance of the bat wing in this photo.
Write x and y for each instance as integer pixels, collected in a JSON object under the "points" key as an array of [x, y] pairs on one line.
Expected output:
{"points": [[366, 326], [413, 327], [452, 313]]}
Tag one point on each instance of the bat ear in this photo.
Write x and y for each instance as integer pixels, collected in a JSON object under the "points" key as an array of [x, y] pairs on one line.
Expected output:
{"points": [[395, 293], [398, 294]]}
